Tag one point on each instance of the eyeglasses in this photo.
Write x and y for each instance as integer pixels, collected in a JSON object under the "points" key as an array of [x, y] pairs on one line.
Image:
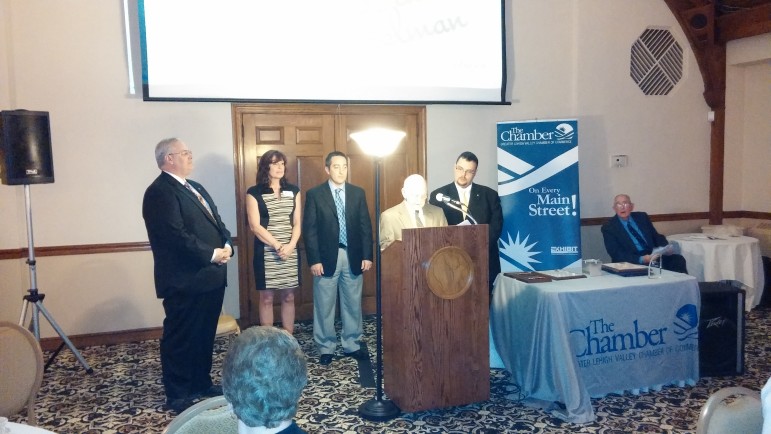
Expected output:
{"points": [[622, 204], [185, 153], [464, 171]]}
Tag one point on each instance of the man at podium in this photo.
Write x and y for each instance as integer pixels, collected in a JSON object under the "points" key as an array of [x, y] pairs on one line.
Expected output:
{"points": [[412, 212]]}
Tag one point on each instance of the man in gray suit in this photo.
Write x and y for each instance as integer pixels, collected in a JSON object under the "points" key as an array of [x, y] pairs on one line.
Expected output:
{"points": [[413, 212], [338, 241]]}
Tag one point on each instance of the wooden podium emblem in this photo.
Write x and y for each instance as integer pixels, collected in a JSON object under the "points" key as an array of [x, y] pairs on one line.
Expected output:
{"points": [[450, 272]]}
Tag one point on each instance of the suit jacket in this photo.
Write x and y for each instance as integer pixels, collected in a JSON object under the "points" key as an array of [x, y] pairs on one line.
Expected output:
{"points": [[183, 236], [619, 243], [484, 205], [321, 229], [398, 217]]}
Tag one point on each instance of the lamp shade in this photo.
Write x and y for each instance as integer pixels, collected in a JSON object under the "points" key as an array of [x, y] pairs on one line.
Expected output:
{"points": [[378, 142]]}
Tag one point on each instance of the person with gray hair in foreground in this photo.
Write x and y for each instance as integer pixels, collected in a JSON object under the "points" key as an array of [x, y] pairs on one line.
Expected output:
{"points": [[263, 376]]}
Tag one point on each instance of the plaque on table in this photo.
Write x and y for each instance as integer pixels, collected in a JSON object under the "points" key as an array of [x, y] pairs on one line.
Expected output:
{"points": [[626, 269], [561, 274], [528, 276]]}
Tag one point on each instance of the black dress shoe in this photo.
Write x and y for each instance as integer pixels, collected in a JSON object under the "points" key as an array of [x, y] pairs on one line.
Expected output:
{"points": [[360, 354], [325, 359], [179, 405], [212, 391]]}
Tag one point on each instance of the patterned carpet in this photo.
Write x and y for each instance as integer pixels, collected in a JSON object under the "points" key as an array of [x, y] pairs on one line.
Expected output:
{"points": [[124, 395]]}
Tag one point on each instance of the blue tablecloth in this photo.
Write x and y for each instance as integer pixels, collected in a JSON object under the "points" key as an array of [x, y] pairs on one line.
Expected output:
{"points": [[566, 341]]}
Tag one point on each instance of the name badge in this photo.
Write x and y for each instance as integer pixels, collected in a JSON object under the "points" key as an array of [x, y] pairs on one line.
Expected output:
{"points": [[287, 194]]}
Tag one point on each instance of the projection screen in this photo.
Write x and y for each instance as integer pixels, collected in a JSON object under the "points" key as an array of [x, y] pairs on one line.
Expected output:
{"points": [[377, 51]]}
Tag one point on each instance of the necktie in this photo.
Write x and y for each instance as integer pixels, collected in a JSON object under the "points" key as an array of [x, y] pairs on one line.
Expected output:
{"points": [[200, 198], [341, 216], [637, 236], [418, 223], [464, 201]]}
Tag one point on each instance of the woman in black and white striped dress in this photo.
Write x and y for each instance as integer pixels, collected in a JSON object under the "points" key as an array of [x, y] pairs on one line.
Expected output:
{"points": [[273, 209]]}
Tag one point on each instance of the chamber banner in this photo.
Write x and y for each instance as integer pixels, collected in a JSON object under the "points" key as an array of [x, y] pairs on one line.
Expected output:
{"points": [[538, 186]]}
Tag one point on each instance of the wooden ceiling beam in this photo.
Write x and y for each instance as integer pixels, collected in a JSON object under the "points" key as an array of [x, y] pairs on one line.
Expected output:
{"points": [[744, 23], [699, 23]]}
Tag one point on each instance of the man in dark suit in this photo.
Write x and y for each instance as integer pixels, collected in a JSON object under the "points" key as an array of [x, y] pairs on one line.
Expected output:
{"points": [[630, 237], [338, 241], [480, 202], [190, 247]]}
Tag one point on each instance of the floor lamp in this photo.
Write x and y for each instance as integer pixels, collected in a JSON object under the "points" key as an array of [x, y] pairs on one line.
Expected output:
{"points": [[378, 143]]}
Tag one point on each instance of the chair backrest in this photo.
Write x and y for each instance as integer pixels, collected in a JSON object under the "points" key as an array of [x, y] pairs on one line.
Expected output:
{"points": [[21, 370], [227, 325], [740, 415], [211, 415]]}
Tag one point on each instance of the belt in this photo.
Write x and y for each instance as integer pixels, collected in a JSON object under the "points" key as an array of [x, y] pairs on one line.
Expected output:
{"points": [[342, 246]]}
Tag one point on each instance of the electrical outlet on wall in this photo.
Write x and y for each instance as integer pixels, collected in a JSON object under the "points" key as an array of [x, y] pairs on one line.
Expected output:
{"points": [[619, 161]]}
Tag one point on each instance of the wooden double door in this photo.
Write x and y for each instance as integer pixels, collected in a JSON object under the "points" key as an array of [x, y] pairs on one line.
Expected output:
{"points": [[306, 134]]}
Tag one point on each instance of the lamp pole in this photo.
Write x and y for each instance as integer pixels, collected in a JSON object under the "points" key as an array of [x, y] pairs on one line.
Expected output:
{"points": [[378, 142]]}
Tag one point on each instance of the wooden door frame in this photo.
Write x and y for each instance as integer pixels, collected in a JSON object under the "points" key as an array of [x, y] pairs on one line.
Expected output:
{"points": [[242, 184]]}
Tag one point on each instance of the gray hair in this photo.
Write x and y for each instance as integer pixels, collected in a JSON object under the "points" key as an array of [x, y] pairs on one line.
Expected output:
{"points": [[263, 376], [162, 149]]}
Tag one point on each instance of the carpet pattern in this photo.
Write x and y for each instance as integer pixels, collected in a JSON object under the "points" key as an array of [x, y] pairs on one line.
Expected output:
{"points": [[125, 395]]}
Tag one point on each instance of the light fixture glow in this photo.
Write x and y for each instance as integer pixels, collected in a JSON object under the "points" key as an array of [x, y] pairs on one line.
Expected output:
{"points": [[378, 142]]}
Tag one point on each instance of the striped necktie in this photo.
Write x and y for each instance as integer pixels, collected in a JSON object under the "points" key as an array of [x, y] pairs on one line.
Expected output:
{"points": [[418, 223], [341, 216], [200, 198]]}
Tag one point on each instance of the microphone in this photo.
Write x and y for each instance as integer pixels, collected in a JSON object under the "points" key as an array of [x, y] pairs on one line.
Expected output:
{"points": [[447, 199], [452, 203]]}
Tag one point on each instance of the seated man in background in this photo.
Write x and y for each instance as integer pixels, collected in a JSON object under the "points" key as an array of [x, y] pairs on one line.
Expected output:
{"points": [[413, 212], [630, 237], [263, 376]]}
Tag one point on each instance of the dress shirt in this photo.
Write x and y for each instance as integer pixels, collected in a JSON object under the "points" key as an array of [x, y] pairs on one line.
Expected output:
{"points": [[630, 222], [464, 192], [333, 187], [413, 216]]}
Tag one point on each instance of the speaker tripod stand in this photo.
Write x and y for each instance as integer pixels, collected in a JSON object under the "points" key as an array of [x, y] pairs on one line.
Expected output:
{"points": [[35, 299]]}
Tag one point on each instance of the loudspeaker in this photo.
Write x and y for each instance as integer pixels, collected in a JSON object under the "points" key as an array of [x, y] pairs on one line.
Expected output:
{"points": [[25, 148], [721, 330]]}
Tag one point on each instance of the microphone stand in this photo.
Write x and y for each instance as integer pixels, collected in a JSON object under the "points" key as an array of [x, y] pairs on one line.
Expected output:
{"points": [[470, 217]]}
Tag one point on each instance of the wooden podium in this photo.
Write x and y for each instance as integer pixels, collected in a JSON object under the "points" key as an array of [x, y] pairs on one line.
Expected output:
{"points": [[435, 310]]}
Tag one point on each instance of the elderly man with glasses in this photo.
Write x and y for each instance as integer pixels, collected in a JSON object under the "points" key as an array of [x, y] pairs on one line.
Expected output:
{"points": [[630, 237]]}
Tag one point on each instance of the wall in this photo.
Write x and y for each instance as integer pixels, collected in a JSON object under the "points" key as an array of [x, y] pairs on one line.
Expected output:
{"points": [[748, 125], [69, 58], [569, 59]]}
